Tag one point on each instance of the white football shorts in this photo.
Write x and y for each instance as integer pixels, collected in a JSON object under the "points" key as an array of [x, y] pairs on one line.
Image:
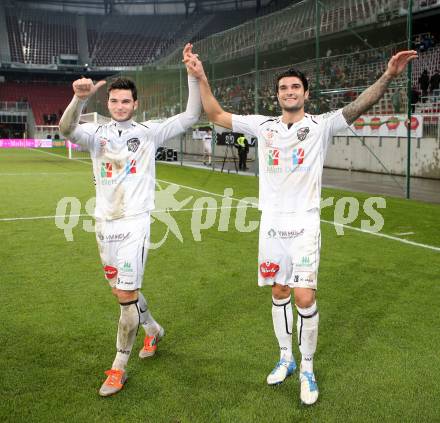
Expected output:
{"points": [[288, 249], [123, 247]]}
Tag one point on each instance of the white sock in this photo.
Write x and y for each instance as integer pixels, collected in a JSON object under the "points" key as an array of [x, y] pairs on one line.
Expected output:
{"points": [[147, 321], [127, 330], [282, 318], [307, 327]]}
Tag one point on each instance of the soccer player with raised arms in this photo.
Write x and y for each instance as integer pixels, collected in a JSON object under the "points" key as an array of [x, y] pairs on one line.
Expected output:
{"points": [[123, 157], [291, 152]]}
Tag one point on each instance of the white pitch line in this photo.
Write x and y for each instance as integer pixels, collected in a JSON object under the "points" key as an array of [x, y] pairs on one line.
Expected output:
{"points": [[404, 233], [12, 219], [208, 192], [405, 241], [41, 173], [393, 238], [59, 156]]}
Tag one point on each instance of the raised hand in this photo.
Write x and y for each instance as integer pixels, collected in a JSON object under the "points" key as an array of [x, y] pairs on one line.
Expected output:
{"points": [[399, 61], [193, 65], [187, 51], [84, 87]]}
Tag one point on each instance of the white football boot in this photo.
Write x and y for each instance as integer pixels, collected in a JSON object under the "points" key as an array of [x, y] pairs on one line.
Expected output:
{"points": [[282, 370], [309, 388]]}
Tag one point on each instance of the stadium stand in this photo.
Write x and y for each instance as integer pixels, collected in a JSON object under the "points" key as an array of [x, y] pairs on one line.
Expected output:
{"points": [[38, 37], [56, 98], [131, 40]]}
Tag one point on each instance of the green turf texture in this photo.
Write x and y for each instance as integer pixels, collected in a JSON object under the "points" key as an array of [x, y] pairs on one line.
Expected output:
{"points": [[378, 350]]}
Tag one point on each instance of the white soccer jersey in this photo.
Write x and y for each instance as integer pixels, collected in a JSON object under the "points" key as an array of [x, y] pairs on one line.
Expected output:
{"points": [[123, 156], [291, 160]]}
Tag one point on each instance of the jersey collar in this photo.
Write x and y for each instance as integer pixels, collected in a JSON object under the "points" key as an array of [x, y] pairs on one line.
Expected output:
{"points": [[285, 125], [126, 124]]}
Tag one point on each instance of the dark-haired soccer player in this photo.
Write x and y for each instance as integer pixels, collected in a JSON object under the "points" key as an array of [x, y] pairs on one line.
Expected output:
{"points": [[123, 156], [291, 152]]}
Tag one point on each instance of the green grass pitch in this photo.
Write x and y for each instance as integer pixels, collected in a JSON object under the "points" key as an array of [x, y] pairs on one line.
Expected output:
{"points": [[378, 354]]}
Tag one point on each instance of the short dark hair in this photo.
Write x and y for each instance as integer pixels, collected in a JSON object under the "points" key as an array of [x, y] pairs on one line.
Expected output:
{"points": [[123, 84], [292, 72]]}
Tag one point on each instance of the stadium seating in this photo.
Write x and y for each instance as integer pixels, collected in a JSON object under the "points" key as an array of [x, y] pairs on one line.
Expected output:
{"points": [[131, 40], [38, 37], [56, 97]]}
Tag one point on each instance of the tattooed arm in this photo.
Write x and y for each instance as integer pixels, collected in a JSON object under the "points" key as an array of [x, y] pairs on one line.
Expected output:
{"points": [[83, 89], [70, 119], [375, 92]]}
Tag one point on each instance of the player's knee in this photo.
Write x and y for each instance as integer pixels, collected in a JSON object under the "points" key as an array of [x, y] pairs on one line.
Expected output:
{"points": [[280, 292], [304, 297], [125, 296]]}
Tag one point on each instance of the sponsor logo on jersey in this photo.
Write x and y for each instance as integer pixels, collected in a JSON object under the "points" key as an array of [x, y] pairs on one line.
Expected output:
{"points": [[133, 144], [268, 135], [130, 167], [103, 142], [106, 170], [302, 133], [110, 272], [298, 156], [273, 157], [269, 269]]}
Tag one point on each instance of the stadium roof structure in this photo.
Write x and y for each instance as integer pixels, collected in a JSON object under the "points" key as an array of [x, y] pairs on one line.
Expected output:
{"points": [[130, 7]]}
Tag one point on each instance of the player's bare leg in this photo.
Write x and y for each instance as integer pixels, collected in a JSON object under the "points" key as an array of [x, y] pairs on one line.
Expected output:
{"points": [[282, 318], [127, 330], [307, 327]]}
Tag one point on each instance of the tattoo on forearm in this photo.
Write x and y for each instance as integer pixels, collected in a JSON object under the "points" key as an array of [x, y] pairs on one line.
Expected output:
{"points": [[367, 99], [70, 118]]}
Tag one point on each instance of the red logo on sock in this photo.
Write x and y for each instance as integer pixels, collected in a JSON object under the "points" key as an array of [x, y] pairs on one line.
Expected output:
{"points": [[269, 269], [110, 272]]}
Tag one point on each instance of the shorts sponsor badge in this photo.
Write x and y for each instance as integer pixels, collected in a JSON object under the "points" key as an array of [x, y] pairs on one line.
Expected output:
{"points": [[110, 272], [269, 269]]}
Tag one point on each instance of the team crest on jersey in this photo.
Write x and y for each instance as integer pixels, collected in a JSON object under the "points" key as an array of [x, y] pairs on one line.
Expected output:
{"points": [[133, 144], [103, 142], [302, 133]]}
